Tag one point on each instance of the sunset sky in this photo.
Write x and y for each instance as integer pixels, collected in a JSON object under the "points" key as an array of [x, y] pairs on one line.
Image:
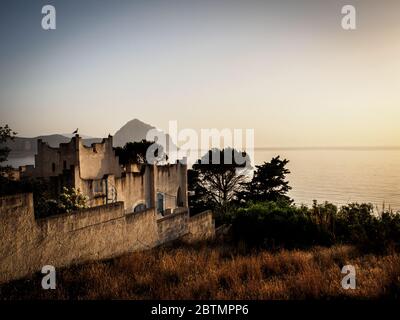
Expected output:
{"points": [[285, 68]]}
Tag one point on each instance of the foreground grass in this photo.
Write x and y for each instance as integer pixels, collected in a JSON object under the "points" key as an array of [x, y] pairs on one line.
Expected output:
{"points": [[210, 271]]}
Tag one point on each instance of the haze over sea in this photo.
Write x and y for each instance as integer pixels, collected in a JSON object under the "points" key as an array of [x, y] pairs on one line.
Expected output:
{"points": [[339, 176], [342, 176]]}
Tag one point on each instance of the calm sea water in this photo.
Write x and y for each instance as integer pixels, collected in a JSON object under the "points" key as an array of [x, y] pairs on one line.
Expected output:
{"points": [[342, 176], [338, 176]]}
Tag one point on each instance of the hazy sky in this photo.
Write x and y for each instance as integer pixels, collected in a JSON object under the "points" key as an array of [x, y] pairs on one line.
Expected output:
{"points": [[285, 68]]}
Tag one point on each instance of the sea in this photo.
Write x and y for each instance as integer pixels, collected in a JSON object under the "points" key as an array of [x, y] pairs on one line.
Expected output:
{"points": [[340, 176]]}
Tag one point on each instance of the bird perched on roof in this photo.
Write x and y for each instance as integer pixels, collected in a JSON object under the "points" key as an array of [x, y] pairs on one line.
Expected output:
{"points": [[76, 131]]}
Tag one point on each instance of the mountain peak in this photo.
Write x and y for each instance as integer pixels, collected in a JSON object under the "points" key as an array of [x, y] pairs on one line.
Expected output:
{"points": [[133, 130]]}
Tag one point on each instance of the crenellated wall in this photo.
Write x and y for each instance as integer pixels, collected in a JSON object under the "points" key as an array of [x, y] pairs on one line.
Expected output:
{"points": [[27, 244], [98, 160], [50, 162], [94, 162]]}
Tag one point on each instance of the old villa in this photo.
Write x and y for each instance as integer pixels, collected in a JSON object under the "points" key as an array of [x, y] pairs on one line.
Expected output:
{"points": [[132, 207]]}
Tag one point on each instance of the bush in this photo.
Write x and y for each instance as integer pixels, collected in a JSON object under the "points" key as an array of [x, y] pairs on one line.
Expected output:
{"points": [[281, 224], [68, 201], [278, 224]]}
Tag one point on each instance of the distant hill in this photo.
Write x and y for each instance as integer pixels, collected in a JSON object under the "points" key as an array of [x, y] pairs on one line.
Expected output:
{"points": [[135, 130], [25, 147]]}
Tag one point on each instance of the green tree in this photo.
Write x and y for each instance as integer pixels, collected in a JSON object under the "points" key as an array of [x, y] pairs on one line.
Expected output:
{"points": [[69, 200], [72, 200], [216, 179], [6, 133], [268, 183], [135, 152]]}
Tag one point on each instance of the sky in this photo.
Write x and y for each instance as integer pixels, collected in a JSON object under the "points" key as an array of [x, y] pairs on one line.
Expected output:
{"points": [[286, 69]]}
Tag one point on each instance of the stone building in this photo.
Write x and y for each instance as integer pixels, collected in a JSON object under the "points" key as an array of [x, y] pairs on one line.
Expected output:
{"points": [[96, 172], [131, 208]]}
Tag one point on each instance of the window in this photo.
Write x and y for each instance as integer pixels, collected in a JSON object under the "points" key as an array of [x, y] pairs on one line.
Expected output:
{"points": [[98, 187], [65, 164], [139, 207], [53, 167], [160, 202], [179, 200]]}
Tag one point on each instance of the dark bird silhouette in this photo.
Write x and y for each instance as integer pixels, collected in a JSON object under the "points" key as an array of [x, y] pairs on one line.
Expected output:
{"points": [[75, 132]]}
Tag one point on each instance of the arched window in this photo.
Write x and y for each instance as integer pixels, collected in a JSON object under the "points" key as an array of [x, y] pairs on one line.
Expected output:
{"points": [[140, 207]]}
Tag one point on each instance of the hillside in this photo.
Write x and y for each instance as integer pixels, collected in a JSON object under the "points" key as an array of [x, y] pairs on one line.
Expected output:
{"points": [[213, 271], [135, 130]]}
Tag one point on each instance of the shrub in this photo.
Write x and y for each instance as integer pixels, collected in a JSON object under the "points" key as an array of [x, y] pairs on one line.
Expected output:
{"points": [[278, 224], [281, 224]]}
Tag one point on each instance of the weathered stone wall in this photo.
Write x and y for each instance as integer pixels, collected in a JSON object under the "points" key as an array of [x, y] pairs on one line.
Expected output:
{"points": [[50, 162], [201, 226], [172, 226], [134, 188], [171, 181], [27, 244], [98, 160]]}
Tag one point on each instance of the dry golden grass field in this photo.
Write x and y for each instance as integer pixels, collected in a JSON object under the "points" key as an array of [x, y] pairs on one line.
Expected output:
{"points": [[212, 271]]}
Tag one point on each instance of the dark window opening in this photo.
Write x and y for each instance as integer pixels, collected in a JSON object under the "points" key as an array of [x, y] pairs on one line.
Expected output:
{"points": [[160, 203], [139, 207]]}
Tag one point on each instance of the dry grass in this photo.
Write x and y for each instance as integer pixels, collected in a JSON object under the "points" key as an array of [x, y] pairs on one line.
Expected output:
{"points": [[207, 271]]}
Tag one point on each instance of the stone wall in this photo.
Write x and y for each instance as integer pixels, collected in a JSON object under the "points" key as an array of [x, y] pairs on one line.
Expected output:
{"points": [[134, 188], [27, 244], [98, 160], [50, 162], [201, 226]]}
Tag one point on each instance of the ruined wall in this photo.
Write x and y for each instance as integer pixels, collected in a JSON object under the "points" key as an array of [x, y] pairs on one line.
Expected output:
{"points": [[50, 162], [98, 160], [101, 232]]}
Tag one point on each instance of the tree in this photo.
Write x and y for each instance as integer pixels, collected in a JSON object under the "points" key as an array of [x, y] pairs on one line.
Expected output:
{"points": [[72, 200], [69, 200], [215, 184], [135, 152], [268, 183], [6, 133]]}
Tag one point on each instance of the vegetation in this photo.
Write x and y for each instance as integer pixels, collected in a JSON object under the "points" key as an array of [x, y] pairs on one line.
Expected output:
{"points": [[283, 225], [262, 214], [6, 133], [69, 200], [135, 152], [277, 250], [216, 180], [215, 271], [46, 201], [268, 183]]}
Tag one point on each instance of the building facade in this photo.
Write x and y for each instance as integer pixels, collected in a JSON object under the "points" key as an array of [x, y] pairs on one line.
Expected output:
{"points": [[96, 172]]}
